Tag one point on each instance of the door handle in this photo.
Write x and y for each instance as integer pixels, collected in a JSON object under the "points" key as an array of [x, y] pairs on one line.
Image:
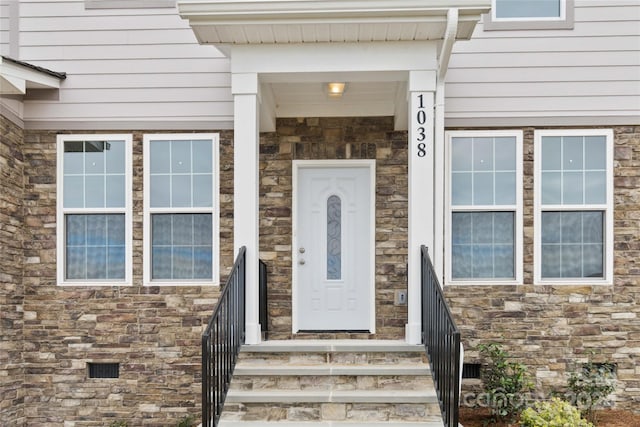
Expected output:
{"points": [[301, 250], [301, 262]]}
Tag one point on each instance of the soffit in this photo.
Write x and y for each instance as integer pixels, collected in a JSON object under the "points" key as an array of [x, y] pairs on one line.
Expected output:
{"points": [[338, 21]]}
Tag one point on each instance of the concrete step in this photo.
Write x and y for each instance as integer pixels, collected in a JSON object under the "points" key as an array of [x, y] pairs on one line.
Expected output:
{"points": [[331, 377], [331, 383], [314, 352], [333, 346], [228, 423], [387, 412], [332, 396], [246, 368]]}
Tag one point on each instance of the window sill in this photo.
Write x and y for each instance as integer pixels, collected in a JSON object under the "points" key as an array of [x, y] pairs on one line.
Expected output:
{"points": [[162, 283], [564, 24], [489, 282], [573, 282], [93, 284]]}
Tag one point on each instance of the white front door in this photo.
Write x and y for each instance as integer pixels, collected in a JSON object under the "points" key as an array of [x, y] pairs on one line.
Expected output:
{"points": [[333, 246]]}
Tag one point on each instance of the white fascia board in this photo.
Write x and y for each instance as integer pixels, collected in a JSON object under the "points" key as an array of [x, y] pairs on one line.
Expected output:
{"points": [[17, 78], [341, 76]]}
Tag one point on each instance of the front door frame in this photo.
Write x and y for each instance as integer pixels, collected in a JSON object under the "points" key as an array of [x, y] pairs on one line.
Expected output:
{"points": [[336, 163]]}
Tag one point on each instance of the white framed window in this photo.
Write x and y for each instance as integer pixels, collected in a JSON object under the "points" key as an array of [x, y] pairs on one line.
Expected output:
{"points": [[530, 15], [484, 207], [181, 214], [573, 217], [528, 9], [93, 219]]}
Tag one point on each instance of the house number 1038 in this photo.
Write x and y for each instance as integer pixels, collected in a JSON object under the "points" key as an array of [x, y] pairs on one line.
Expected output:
{"points": [[421, 131]]}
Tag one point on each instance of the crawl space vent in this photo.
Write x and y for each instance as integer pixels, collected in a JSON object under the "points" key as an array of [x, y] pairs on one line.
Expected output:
{"points": [[104, 370]]}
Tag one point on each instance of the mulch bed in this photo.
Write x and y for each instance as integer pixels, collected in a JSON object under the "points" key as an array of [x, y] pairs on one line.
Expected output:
{"points": [[479, 417]]}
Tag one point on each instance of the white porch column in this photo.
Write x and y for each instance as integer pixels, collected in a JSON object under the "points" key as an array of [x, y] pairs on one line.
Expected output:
{"points": [[421, 180], [244, 87]]}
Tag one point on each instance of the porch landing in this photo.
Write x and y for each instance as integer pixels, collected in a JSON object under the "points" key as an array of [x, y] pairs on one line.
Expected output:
{"points": [[370, 383]]}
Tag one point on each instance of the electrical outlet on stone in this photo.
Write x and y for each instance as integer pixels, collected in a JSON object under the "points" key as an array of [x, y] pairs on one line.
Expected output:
{"points": [[401, 298]]}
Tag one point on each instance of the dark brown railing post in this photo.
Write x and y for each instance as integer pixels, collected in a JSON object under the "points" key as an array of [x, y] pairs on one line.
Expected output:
{"points": [[221, 342], [441, 338]]}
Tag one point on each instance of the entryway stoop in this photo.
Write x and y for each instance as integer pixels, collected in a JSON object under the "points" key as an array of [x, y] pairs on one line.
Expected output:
{"points": [[355, 383]]}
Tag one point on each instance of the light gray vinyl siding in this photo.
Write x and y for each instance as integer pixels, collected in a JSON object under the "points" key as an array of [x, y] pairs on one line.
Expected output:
{"points": [[136, 67], [5, 28], [125, 68], [590, 74]]}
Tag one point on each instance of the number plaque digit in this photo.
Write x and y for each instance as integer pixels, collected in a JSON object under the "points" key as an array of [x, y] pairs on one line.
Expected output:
{"points": [[421, 125]]}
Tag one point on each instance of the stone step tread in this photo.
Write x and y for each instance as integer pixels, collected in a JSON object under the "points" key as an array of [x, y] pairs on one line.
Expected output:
{"points": [[230, 423], [337, 346], [259, 369], [331, 396]]}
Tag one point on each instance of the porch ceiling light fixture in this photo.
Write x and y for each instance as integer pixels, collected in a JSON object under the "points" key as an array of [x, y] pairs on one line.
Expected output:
{"points": [[335, 90]]}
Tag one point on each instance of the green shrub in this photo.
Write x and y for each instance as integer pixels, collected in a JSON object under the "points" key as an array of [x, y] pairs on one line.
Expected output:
{"points": [[556, 413], [187, 421], [505, 383], [591, 386], [119, 424]]}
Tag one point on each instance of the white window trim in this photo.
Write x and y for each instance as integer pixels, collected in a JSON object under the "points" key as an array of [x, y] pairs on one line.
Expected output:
{"points": [[518, 211], [214, 210], [61, 211], [564, 22], [607, 208]]}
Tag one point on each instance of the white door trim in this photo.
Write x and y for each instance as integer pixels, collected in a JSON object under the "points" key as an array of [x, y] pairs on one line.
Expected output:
{"points": [[358, 163]]}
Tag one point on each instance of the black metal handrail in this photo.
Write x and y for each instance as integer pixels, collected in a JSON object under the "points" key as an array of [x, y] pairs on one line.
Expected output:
{"points": [[441, 338], [264, 311], [221, 342]]}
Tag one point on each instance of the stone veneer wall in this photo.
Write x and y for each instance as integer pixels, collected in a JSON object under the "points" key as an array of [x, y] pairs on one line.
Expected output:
{"points": [[153, 332], [11, 287], [334, 138], [554, 329]]}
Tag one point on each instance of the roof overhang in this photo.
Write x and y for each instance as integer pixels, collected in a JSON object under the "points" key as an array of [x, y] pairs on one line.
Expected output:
{"points": [[222, 23], [298, 46], [17, 76]]}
